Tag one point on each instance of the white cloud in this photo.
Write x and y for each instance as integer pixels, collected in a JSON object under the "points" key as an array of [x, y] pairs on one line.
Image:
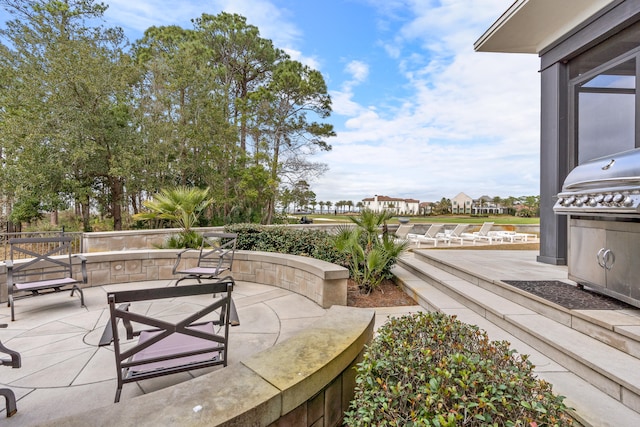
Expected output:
{"points": [[358, 70], [472, 123]]}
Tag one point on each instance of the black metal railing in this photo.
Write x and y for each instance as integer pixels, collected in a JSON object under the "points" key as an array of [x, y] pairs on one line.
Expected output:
{"points": [[40, 248]]}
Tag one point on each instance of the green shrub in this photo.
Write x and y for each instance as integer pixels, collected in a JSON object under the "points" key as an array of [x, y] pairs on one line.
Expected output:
{"points": [[369, 256], [282, 239], [429, 369]]}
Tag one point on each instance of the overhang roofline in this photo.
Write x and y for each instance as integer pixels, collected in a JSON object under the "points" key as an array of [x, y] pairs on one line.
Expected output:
{"points": [[530, 26]]}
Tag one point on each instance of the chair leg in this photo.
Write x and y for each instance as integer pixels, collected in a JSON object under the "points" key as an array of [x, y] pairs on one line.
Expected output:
{"points": [[10, 399], [11, 304]]}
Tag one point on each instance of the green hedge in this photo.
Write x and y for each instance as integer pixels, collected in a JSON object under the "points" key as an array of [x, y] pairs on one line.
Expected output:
{"points": [[429, 369], [283, 239]]}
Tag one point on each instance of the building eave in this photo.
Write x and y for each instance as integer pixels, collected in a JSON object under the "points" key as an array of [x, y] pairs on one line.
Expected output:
{"points": [[530, 26]]}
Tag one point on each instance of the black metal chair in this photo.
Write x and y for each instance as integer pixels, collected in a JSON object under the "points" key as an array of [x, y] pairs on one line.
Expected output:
{"points": [[216, 257], [48, 271], [169, 348], [14, 362]]}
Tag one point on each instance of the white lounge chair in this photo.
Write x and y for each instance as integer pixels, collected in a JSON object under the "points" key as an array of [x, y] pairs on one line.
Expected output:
{"points": [[433, 234], [458, 234], [402, 231], [484, 234], [512, 236]]}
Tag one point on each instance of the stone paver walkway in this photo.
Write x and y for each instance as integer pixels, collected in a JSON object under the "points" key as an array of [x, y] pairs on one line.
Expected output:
{"points": [[64, 371]]}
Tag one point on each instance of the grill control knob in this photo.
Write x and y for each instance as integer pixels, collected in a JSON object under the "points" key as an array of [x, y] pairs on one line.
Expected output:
{"points": [[608, 198], [569, 201], [628, 201], [578, 203], [592, 202], [617, 198], [599, 198]]}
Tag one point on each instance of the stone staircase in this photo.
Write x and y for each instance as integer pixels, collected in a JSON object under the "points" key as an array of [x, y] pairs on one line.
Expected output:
{"points": [[590, 356]]}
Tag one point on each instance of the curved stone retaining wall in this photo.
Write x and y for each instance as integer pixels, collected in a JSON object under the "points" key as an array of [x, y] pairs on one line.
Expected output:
{"points": [[307, 380], [322, 282]]}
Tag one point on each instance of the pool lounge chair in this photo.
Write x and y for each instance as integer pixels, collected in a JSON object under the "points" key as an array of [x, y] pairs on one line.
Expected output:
{"points": [[433, 235], [512, 236], [458, 234], [484, 234], [402, 231]]}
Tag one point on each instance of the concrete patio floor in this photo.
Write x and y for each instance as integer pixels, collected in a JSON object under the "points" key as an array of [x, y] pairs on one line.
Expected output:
{"points": [[64, 371]]}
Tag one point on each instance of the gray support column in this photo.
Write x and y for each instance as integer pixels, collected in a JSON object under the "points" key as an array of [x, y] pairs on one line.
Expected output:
{"points": [[554, 151]]}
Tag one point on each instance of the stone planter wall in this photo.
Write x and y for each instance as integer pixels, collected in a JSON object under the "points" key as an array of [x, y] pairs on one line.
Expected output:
{"points": [[320, 281]]}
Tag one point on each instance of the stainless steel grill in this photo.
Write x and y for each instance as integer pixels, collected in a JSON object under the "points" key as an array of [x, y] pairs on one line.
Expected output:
{"points": [[602, 200], [608, 185]]}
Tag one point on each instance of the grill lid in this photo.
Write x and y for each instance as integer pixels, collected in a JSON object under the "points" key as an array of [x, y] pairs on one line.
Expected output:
{"points": [[608, 184]]}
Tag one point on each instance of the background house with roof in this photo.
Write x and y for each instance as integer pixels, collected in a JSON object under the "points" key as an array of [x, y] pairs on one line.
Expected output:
{"points": [[461, 204], [392, 204]]}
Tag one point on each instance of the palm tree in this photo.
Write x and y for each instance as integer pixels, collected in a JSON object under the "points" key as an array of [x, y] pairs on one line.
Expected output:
{"points": [[321, 206], [182, 207], [350, 204], [370, 258]]}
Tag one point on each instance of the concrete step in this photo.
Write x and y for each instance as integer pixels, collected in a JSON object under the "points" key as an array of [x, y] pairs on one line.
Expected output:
{"points": [[608, 378], [617, 328]]}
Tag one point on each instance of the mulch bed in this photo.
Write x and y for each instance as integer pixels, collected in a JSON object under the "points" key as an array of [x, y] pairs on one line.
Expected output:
{"points": [[569, 296], [388, 294]]}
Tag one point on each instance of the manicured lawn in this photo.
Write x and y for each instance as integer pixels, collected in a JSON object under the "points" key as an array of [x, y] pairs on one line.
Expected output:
{"points": [[450, 219]]}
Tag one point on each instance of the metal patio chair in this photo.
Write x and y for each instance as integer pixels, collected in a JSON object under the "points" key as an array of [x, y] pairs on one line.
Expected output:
{"points": [[166, 348], [14, 362], [216, 257]]}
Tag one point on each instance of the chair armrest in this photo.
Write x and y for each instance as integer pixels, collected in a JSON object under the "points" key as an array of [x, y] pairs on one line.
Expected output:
{"points": [[178, 259], [126, 322], [15, 361], [83, 260], [9, 265]]}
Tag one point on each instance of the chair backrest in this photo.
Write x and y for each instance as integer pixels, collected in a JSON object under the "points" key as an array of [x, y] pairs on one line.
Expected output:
{"points": [[167, 347], [459, 229], [403, 230], [484, 230], [217, 250], [433, 230], [50, 256]]}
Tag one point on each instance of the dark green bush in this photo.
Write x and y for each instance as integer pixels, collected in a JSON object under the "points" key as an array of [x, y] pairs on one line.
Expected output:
{"points": [[282, 239], [430, 369]]}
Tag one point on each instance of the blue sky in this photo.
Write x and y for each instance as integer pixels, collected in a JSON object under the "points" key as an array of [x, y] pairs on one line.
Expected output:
{"points": [[418, 113]]}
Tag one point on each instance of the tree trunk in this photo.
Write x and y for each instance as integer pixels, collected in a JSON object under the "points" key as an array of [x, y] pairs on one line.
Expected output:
{"points": [[116, 202], [86, 219]]}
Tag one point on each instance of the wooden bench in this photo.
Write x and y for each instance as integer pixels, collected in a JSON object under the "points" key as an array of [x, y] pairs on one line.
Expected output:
{"points": [[48, 267], [197, 341]]}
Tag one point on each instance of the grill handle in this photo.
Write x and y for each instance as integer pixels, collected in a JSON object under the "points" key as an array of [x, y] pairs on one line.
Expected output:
{"points": [[599, 257], [609, 259]]}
